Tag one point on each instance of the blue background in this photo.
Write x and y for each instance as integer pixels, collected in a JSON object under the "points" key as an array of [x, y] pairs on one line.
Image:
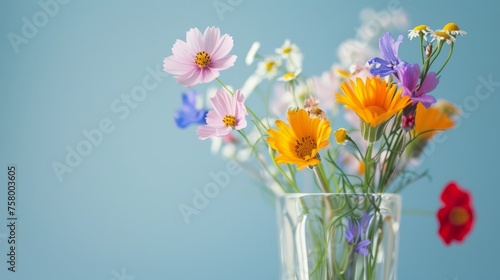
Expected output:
{"points": [[116, 215]]}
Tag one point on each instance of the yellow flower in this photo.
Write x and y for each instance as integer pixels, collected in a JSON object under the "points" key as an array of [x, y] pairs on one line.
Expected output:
{"points": [[268, 67], [453, 29], [290, 76], [419, 30], [374, 101], [340, 135], [287, 49], [299, 142], [443, 36], [428, 122]]}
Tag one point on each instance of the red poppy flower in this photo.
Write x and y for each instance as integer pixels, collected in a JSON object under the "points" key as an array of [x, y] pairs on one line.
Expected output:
{"points": [[456, 217]]}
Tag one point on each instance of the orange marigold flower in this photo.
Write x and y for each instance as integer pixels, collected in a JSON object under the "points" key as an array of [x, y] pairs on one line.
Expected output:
{"points": [[431, 121], [374, 101], [299, 142]]}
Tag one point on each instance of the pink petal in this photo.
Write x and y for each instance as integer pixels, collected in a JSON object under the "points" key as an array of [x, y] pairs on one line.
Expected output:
{"points": [[211, 37], [222, 103], [223, 131], [223, 47], [183, 51], [194, 39], [205, 131], [174, 66], [239, 96], [189, 79], [196, 76], [207, 74], [237, 105], [240, 110], [214, 119], [240, 124], [223, 63]]}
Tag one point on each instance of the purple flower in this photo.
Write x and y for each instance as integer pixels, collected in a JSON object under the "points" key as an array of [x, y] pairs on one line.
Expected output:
{"points": [[354, 234], [409, 77], [188, 113], [390, 61], [361, 247]]}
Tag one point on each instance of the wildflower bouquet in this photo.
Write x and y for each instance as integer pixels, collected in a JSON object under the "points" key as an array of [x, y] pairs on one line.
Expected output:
{"points": [[391, 117]]}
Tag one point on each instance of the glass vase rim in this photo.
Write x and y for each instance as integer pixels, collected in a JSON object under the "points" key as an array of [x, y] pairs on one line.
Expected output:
{"points": [[309, 194]]}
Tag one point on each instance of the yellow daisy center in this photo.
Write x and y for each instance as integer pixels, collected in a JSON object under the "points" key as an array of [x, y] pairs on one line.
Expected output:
{"points": [[304, 147], [289, 76], [451, 27], [443, 35], [459, 216], [202, 59], [422, 27], [229, 120], [269, 65], [287, 50]]}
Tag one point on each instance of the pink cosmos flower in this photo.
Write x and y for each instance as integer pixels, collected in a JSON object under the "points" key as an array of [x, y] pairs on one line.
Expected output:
{"points": [[201, 57], [229, 113]]}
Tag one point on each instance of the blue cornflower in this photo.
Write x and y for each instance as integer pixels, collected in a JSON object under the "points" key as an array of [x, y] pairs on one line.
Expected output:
{"points": [[354, 233], [189, 113], [390, 61]]}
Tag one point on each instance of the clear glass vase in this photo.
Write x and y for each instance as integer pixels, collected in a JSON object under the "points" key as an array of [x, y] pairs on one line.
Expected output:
{"points": [[338, 236]]}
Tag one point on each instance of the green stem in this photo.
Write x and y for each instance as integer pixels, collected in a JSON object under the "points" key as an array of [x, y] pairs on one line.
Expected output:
{"points": [[292, 171], [438, 51], [447, 59], [350, 141], [391, 162], [429, 60], [371, 267], [224, 86], [422, 46], [321, 179], [323, 175], [295, 97], [368, 167], [262, 163], [290, 181]]}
